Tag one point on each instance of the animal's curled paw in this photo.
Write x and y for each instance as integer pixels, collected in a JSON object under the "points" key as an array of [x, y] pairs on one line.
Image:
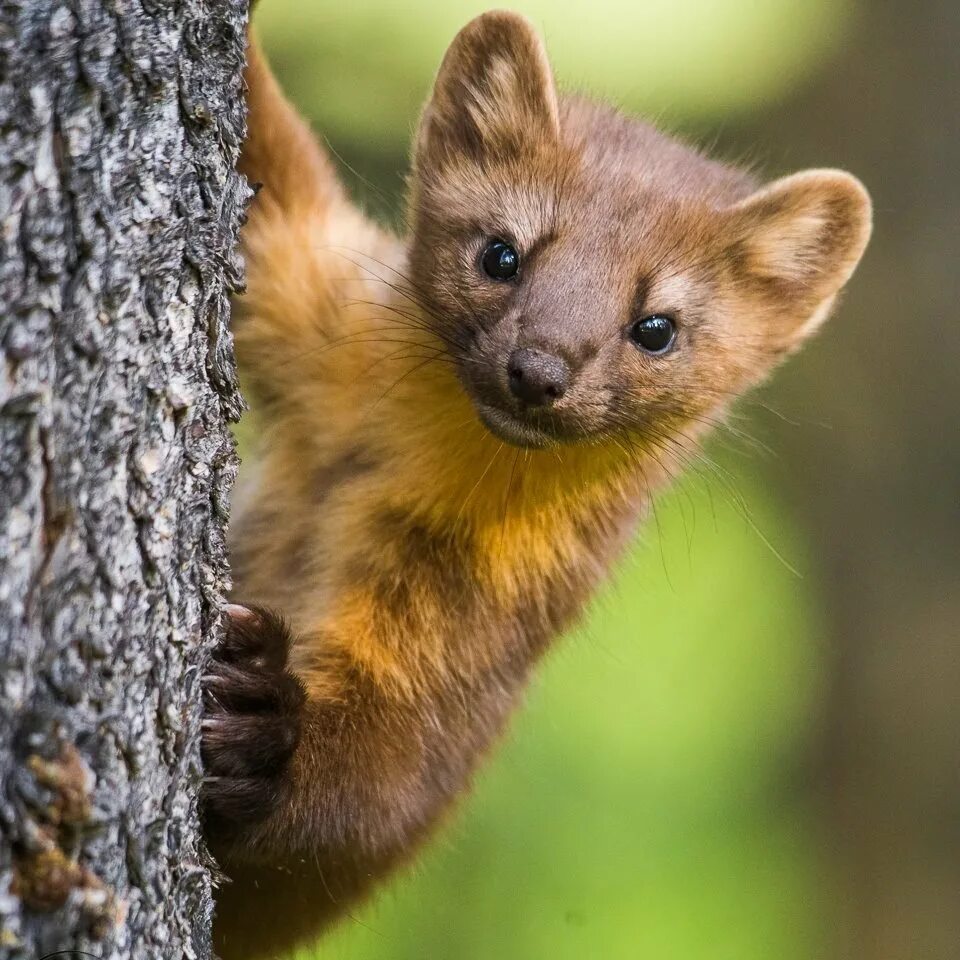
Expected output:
{"points": [[252, 722]]}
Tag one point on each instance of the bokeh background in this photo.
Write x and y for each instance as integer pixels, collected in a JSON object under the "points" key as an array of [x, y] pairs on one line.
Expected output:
{"points": [[750, 749]]}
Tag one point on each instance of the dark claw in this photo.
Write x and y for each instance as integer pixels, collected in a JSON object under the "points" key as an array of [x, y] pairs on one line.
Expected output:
{"points": [[252, 721]]}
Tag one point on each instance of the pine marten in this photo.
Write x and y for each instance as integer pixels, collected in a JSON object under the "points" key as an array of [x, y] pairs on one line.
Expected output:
{"points": [[463, 427]]}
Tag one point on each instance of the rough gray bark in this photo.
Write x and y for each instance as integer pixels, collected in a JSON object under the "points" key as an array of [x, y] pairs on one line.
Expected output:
{"points": [[120, 122]]}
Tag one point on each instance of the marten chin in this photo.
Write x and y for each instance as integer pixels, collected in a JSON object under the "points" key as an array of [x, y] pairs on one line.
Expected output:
{"points": [[462, 428]]}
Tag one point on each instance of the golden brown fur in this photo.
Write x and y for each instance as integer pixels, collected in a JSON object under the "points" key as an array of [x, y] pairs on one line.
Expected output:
{"points": [[423, 562]]}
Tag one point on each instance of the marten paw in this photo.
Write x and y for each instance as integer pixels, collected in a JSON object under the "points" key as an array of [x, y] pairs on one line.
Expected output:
{"points": [[252, 721]]}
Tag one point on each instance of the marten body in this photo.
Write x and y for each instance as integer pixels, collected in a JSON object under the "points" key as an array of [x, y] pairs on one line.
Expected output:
{"points": [[453, 453]]}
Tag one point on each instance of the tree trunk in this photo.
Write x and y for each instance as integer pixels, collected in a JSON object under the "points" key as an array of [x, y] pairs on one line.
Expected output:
{"points": [[120, 123]]}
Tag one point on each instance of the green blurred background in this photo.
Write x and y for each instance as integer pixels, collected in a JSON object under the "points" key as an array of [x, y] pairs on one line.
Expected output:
{"points": [[750, 748]]}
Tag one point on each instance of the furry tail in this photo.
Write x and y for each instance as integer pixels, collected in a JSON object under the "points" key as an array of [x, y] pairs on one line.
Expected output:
{"points": [[289, 225], [281, 153], [300, 242]]}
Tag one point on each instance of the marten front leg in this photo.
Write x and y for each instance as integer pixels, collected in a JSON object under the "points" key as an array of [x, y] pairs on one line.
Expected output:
{"points": [[313, 799], [252, 724], [308, 800]]}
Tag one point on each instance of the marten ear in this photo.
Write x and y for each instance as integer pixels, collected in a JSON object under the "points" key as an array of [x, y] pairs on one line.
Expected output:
{"points": [[797, 241], [494, 93]]}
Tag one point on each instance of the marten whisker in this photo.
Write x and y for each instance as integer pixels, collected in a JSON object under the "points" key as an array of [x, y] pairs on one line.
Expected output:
{"points": [[695, 460], [473, 489], [410, 293], [506, 503]]}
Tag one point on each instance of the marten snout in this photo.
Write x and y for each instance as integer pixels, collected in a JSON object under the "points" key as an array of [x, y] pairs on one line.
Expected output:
{"points": [[536, 378]]}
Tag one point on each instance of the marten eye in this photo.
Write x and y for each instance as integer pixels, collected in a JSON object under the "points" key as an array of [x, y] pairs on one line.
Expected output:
{"points": [[654, 334], [499, 260]]}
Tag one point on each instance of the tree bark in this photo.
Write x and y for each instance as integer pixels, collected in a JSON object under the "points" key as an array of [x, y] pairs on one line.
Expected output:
{"points": [[120, 124]]}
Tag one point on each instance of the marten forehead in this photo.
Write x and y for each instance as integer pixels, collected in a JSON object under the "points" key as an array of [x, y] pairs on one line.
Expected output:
{"points": [[616, 146], [562, 200], [617, 227], [612, 276]]}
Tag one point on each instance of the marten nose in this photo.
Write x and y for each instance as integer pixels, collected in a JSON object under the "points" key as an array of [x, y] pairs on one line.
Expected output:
{"points": [[537, 378]]}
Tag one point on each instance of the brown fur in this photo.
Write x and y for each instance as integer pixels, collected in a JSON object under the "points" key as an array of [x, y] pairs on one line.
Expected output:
{"points": [[425, 535]]}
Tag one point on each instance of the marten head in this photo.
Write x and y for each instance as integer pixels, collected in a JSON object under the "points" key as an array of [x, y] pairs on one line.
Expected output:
{"points": [[590, 275]]}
